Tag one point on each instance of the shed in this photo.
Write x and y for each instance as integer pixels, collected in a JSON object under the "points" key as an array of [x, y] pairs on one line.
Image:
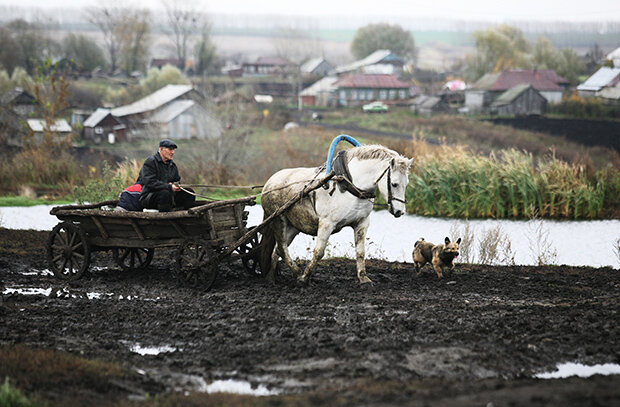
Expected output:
{"points": [[101, 124], [432, 105], [603, 78], [60, 127], [320, 93], [522, 99], [316, 66]]}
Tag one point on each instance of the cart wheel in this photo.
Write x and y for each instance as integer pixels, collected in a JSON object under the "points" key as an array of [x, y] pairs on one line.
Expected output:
{"points": [[133, 258], [68, 253], [196, 263], [249, 255]]}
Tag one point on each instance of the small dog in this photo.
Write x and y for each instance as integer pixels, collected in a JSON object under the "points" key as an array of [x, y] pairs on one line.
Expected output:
{"points": [[440, 256]]}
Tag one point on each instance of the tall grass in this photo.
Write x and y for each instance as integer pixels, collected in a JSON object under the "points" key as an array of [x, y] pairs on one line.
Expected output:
{"points": [[453, 182]]}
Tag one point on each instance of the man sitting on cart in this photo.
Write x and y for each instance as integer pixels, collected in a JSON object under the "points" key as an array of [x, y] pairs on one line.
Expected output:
{"points": [[159, 178]]}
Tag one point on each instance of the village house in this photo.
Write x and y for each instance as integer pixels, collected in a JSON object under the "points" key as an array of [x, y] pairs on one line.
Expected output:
{"points": [[425, 105], [358, 89], [320, 93], [317, 67], [604, 78], [522, 99], [102, 125], [482, 93], [268, 66], [382, 61], [16, 105], [60, 128], [174, 111]]}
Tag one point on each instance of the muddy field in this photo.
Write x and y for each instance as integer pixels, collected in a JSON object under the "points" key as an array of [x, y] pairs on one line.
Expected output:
{"points": [[476, 337]]}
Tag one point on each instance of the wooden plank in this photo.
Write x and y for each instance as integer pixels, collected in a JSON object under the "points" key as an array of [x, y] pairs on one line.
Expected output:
{"points": [[88, 206], [212, 229], [248, 200], [136, 227], [97, 223], [178, 228]]}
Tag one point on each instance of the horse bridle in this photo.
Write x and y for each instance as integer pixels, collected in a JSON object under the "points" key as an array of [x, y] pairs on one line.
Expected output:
{"points": [[390, 196]]}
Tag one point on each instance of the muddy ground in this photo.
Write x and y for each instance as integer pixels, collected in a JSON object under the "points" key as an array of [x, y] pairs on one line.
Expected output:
{"points": [[476, 337]]}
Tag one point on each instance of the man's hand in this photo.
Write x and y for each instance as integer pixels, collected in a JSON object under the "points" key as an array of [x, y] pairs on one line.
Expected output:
{"points": [[175, 187]]}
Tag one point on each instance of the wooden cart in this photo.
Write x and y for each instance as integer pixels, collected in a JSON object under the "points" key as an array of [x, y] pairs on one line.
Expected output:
{"points": [[202, 236]]}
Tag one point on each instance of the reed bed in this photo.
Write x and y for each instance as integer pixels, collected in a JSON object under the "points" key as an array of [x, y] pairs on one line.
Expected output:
{"points": [[453, 182]]}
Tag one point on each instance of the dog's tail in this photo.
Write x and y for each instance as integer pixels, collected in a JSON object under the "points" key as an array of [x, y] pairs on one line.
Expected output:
{"points": [[416, 243]]}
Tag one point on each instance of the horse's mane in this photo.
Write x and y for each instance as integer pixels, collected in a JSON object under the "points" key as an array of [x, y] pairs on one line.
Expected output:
{"points": [[376, 152]]}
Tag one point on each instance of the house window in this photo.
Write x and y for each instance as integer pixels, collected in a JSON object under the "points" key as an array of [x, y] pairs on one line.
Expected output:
{"points": [[392, 93], [353, 94], [98, 130], [370, 94], [402, 94], [362, 95], [383, 94], [343, 94]]}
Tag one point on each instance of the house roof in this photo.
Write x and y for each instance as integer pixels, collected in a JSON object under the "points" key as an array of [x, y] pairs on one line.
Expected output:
{"points": [[325, 84], [311, 65], [381, 55], [59, 126], [370, 81], [511, 94], [600, 79], [430, 102], [614, 56], [541, 80], [271, 61], [171, 111], [17, 95], [153, 101], [97, 116]]}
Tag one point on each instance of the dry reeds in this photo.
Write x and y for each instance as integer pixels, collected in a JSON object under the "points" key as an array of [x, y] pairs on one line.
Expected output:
{"points": [[453, 182]]}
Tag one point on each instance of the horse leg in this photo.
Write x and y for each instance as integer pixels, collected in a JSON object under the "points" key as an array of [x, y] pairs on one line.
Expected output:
{"points": [[360, 251], [284, 235], [319, 250]]}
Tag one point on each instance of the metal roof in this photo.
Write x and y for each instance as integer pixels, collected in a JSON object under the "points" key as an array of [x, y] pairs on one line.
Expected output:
{"points": [[60, 125], [325, 84], [97, 116], [371, 81], [601, 78], [541, 80], [374, 58], [312, 64], [171, 111], [511, 94], [153, 101]]}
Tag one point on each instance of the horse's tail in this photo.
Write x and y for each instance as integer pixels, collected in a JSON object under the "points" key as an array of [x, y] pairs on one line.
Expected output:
{"points": [[267, 244]]}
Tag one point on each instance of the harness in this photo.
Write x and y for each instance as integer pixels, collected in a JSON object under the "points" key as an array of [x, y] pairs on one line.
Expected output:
{"points": [[344, 180]]}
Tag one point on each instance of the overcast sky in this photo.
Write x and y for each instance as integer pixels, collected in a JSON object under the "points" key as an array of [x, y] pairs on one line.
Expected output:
{"points": [[491, 10]]}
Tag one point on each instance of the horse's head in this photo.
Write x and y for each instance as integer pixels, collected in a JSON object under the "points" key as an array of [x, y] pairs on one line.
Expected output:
{"points": [[394, 182]]}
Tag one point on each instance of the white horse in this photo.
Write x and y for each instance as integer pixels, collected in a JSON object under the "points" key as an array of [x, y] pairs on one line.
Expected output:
{"points": [[326, 211]]}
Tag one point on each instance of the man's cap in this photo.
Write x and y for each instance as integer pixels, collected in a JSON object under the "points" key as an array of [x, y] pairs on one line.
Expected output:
{"points": [[167, 143]]}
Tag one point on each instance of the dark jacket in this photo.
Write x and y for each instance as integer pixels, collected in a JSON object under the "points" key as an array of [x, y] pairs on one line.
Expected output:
{"points": [[156, 174]]}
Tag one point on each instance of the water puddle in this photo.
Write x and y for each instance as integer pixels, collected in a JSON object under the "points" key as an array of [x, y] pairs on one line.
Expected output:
{"points": [[151, 350], [239, 387], [577, 369]]}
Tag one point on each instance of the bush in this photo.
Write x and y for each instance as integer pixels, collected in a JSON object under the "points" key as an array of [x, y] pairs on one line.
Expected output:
{"points": [[11, 396]]}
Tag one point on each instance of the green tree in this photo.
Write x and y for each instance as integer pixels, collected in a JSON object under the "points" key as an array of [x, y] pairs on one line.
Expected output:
{"points": [[84, 51], [157, 79], [565, 62], [205, 52], [373, 37], [497, 49]]}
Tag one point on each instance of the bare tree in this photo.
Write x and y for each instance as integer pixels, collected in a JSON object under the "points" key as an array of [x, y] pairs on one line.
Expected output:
{"points": [[184, 20], [135, 29], [107, 18]]}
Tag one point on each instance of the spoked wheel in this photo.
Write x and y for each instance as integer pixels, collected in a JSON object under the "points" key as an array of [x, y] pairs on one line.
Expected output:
{"points": [[197, 263], [249, 255], [68, 253], [131, 258]]}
